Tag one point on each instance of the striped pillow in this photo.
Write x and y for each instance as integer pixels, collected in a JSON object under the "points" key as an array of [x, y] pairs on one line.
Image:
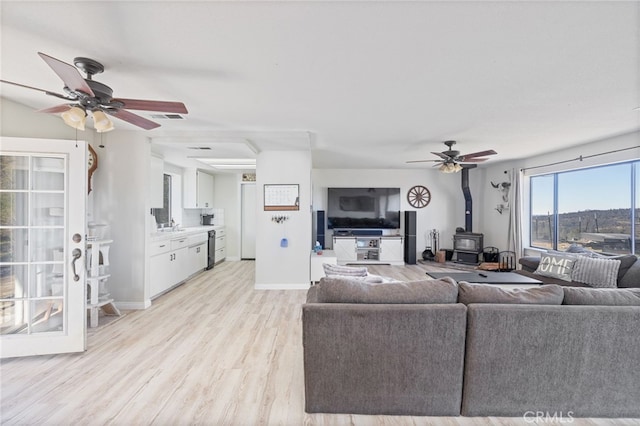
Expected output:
{"points": [[338, 270], [596, 272]]}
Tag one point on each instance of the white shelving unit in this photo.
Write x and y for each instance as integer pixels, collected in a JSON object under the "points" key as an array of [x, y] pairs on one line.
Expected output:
{"points": [[97, 275], [369, 249]]}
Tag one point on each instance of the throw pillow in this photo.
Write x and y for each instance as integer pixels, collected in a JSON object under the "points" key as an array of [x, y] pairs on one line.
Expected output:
{"points": [[556, 266], [550, 294], [601, 296], [596, 272], [347, 290], [626, 262], [349, 271]]}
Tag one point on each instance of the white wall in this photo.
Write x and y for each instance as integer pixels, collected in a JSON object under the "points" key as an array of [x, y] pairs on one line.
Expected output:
{"points": [[278, 267], [444, 213], [21, 121], [495, 225], [122, 201]]}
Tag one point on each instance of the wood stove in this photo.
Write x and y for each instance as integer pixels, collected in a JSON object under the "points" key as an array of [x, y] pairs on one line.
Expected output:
{"points": [[468, 246]]}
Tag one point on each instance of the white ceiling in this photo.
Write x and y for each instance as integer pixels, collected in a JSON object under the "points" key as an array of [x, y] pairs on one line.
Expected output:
{"points": [[364, 84]]}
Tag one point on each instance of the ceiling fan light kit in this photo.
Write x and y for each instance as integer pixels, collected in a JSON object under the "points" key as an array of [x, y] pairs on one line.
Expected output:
{"points": [[75, 117], [87, 94], [450, 167], [450, 161], [101, 122]]}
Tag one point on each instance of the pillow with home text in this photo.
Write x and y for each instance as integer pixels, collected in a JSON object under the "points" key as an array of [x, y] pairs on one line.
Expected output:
{"points": [[556, 266]]}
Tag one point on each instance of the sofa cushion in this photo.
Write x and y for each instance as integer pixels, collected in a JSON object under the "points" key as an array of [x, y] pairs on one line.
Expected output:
{"points": [[486, 293], [529, 263], [601, 296], [626, 262], [631, 277], [597, 272], [556, 266], [347, 271], [345, 290], [549, 280]]}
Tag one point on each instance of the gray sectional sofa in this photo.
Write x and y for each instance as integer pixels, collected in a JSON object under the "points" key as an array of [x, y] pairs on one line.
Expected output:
{"points": [[430, 348]]}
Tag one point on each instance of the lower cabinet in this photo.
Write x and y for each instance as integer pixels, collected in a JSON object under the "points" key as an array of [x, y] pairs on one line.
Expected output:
{"points": [[166, 270], [221, 246], [345, 249], [197, 258], [173, 261], [392, 250]]}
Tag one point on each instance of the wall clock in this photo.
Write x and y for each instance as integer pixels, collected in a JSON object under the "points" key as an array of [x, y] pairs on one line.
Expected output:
{"points": [[92, 163], [418, 196]]}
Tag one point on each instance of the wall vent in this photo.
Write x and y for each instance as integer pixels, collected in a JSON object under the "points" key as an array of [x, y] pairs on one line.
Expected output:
{"points": [[167, 116], [200, 147]]}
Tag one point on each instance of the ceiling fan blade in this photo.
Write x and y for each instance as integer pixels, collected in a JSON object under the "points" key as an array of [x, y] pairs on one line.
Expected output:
{"points": [[472, 160], [55, 109], [478, 154], [160, 106], [441, 155], [422, 161], [57, 95], [68, 73], [132, 118]]}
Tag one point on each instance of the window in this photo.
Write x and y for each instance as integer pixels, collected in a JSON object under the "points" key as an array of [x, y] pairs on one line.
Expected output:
{"points": [[597, 208], [163, 215]]}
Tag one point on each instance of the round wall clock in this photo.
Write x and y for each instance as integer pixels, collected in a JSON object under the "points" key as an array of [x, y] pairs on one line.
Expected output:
{"points": [[419, 196], [92, 163]]}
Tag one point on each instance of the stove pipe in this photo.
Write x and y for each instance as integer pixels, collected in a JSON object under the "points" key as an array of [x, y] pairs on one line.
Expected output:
{"points": [[468, 203]]}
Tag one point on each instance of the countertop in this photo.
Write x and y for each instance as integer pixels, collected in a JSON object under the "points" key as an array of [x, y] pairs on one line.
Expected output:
{"points": [[169, 235]]}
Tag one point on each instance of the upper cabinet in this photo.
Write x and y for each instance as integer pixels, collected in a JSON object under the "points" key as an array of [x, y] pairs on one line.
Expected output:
{"points": [[156, 182], [198, 189]]}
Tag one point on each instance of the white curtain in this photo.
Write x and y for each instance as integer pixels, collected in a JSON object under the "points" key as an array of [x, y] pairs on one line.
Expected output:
{"points": [[514, 242]]}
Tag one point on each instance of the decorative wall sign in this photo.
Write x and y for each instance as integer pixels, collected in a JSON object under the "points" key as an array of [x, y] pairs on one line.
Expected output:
{"points": [[419, 196], [281, 197]]}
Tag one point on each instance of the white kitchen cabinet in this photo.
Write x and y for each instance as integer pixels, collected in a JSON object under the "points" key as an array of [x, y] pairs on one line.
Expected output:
{"points": [[197, 190], [392, 250], [221, 246], [345, 249], [173, 261], [205, 190], [197, 258], [160, 272], [156, 183]]}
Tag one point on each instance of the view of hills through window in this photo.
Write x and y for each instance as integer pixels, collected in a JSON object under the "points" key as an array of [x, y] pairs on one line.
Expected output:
{"points": [[594, 208]]}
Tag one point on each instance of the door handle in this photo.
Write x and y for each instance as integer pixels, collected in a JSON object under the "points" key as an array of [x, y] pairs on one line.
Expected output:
{"points": [[76, 254]]}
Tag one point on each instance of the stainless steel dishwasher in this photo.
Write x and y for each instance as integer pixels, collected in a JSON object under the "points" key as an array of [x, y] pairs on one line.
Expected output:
{"points": [[211, 255]]}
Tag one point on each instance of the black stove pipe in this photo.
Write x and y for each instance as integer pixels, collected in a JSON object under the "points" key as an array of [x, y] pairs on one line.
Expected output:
{"points": [[468, 202]]}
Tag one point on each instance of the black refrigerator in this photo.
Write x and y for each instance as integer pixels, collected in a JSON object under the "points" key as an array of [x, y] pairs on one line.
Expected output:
{"points": [[410, 237]]}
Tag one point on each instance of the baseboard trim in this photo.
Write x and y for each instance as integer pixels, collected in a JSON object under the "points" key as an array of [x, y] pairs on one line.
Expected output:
{"points": [[275, 286], [133, 306]]}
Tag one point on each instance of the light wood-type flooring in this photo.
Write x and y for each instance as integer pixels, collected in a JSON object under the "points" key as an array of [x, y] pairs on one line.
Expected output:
{"points": [[213, 351]]}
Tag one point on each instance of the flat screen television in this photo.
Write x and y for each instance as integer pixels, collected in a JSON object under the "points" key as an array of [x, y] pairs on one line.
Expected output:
{"points": [[363, 208]]}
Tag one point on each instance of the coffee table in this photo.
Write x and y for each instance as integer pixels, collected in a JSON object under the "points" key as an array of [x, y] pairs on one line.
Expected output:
{"points": [[501, 279]]}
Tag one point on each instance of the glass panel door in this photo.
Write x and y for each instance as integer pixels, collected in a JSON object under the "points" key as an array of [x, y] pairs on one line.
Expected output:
{"points": [[42, 194]]}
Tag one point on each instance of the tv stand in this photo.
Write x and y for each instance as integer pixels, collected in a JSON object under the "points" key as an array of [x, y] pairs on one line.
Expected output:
{"points": [[369, 249]]}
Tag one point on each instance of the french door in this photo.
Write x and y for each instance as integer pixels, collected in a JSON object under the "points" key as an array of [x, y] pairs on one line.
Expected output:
{"points": [[43, 190]]}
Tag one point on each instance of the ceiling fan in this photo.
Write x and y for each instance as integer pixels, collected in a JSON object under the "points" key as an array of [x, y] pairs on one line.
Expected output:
{"points": [[451, 161], [88, 95]]}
